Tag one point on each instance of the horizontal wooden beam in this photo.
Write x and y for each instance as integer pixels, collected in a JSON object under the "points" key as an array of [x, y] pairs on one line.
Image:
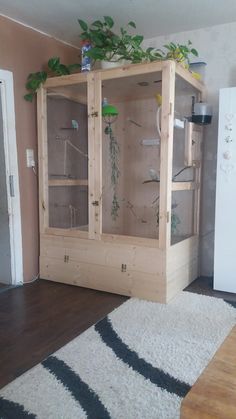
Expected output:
{"points": [[187, 76], [132, 70], [183, 186], [67, 232], [66, 80], [63, 94], [68, 182], [136, 241]]}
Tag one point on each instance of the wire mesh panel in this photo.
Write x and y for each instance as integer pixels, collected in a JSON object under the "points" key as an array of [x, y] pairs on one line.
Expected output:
{"points": [[182, 215], [67, 161], [131, 156], [67, 207]]}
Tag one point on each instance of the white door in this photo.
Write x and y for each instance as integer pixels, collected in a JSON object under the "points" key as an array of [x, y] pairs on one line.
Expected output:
{"points": [[11, 271], [225, 221], [5, 248]]}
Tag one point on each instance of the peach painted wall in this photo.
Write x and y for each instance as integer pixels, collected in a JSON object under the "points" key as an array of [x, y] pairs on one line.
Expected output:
{"points": [[23, 51]]}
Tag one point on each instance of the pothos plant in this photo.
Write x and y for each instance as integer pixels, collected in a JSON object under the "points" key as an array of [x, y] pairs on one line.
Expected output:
{"points": [[106, 45], [180, 53], [54, 68]]}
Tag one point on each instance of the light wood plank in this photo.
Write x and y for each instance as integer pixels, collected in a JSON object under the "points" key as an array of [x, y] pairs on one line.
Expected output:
{"points": [[67, 232], [139, 241], [187, 76], [166, 153], [132, 70], [136, 258], [181, 278], [214, 393], [66, 80], [183, 186], [98, 156], [91, 155], [42, 159], [180, 253], [68, 182], [66, 94], [104, 278]]}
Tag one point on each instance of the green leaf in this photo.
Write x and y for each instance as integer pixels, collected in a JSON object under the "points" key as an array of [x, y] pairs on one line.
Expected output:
{"points": [[169, 47], [132, 24], [33, 84], [29, 97], [43, 76], [96, 54], [97, 40], [83, 25], [73, 67], [150, 49], [194, 52], [109, 21], [84, 36], [53, 62], [158, 54], [63, 69], [138, 39], [115, 40], [97, 23]]}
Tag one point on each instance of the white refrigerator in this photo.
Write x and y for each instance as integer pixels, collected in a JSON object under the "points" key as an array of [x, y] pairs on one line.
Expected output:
{"points": [[225, 215]]}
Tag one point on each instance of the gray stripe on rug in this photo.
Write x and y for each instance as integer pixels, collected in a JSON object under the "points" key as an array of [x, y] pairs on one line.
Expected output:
{"points": [[130, 357], [231, 303], [83, 394], [12, 410]]}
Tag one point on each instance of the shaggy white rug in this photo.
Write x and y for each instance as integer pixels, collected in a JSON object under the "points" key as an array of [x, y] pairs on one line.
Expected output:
{"points": [[139, 362]]}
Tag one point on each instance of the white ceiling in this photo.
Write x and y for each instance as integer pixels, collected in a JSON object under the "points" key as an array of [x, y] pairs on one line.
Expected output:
{"points": [[153, 17]]}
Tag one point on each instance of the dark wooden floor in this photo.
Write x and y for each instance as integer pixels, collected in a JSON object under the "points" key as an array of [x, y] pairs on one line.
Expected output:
{"points": [[204, 285], [39, 318]]}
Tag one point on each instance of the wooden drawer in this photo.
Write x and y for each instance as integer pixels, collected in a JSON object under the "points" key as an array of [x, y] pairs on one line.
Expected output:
{"points": [[104, 278]]}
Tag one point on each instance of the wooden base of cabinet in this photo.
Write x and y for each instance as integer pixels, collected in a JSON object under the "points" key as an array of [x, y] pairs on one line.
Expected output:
{"points": [[123, 269]]}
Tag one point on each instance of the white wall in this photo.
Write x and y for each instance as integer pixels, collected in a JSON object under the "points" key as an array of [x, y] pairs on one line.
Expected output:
{"points": [[217, 47]]}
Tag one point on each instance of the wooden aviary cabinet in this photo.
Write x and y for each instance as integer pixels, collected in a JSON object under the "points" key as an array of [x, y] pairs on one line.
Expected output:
{"points": [[119, 197]]}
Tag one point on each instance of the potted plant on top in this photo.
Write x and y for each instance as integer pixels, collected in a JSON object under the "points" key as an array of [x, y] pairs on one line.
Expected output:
{"points": [[110, 48]]}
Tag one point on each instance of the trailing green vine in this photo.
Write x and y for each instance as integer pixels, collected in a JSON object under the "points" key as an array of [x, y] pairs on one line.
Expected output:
{"points": [[114, 150], [55, 68]]}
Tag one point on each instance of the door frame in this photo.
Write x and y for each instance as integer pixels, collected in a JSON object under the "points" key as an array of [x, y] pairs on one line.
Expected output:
{"points": [[11, 163]]}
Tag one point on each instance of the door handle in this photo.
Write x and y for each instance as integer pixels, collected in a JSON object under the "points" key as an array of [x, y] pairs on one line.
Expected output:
{"points": [[11, 184]]}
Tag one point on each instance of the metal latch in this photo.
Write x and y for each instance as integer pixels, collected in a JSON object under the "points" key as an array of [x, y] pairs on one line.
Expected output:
{"points": [[95, 203], [94, 114], [123, 267], [168, 217]]}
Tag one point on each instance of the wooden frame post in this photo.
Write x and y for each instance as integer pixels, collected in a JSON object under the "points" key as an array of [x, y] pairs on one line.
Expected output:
{"points": [[95, 156], [42, 159], [166, 153]]}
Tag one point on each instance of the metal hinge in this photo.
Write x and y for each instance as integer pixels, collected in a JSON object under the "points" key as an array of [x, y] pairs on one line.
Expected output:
{"points": [[168, 217], [123, 267], [196, 163], [94, 114], [66, 258], [95, 203]]}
